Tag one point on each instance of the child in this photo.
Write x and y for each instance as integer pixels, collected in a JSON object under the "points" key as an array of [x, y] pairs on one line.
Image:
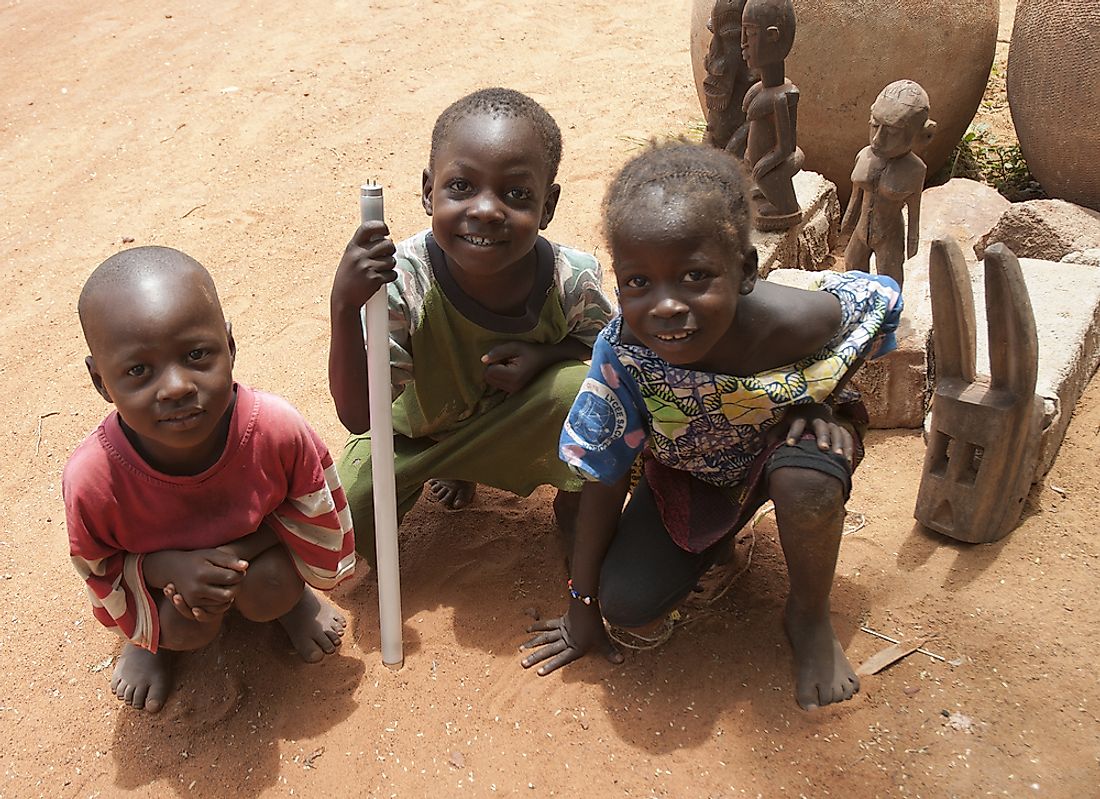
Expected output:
{"points": [[197, 494], [489, 322], [704, 368]]}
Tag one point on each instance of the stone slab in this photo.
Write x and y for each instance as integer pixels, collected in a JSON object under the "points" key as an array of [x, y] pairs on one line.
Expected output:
{"points": [[807, 245], [1066, 300]]}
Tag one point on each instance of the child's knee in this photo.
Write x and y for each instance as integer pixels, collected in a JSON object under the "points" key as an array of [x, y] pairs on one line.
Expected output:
{"points": [[271, 587], [180, 634], [625, 604], [814, 496]]}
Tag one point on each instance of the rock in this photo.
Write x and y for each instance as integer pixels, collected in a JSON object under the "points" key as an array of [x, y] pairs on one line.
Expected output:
{"points": [[804, 246], [1045, 229], [1054, 95], [1087, 257], [961, 208], [845, 53]]}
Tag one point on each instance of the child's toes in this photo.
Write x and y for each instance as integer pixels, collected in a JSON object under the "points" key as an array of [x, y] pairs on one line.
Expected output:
{"points": [[314, 627]]}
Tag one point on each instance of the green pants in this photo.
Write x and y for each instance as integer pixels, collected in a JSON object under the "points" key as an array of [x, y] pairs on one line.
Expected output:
{"points": [[513, 447]]}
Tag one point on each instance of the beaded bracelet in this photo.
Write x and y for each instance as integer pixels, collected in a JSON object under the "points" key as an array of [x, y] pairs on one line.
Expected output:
{"points": [[588, 600]]}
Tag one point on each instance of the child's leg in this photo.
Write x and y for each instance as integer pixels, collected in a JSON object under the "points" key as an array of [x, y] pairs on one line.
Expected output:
{"points": [[143, 679], [273, 589], [645, 574], [809, 511], [354, 469]]}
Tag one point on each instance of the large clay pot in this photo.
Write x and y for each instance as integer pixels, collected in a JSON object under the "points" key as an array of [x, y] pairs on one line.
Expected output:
{"points": [[846, 51], [1054, 95]]}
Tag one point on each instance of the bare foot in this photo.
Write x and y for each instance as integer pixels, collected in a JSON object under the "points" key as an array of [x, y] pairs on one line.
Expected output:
{"points": [[141, 679], [823, 673], [453, 494], [315, 627]]}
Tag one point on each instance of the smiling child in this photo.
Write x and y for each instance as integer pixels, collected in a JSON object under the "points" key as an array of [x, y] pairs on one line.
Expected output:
{"points": [[196, 494], [489, 322], [731, 389]]}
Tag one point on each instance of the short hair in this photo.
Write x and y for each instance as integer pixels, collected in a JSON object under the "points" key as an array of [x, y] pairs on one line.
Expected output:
{"points": [[711, 180], [500, 103], [126, 267]]}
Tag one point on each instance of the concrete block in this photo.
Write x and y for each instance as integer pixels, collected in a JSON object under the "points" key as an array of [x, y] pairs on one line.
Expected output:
{"points": [[806, 245], [1066, 300]]}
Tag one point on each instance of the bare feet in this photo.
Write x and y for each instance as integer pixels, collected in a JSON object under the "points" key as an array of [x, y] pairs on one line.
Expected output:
{"points": [[315, 627], [453, 494], [823, 673], [141, 679]]}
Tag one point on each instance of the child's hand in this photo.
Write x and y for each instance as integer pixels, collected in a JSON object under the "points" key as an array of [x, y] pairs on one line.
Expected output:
{"points": [[208, 613], [561, 641], [830, 435], [204, 582], [367, 265], [513, 365]]}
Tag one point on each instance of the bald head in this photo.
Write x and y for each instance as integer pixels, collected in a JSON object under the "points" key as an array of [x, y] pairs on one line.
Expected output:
{"points": [[150, 278]]}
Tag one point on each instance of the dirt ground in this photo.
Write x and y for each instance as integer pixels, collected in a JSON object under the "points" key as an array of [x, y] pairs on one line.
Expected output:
{"points": [[239, 133]]}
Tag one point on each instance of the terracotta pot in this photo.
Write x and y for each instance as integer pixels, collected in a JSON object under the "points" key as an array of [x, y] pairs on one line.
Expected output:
{"points": [[846, 51], [1054, 95]]}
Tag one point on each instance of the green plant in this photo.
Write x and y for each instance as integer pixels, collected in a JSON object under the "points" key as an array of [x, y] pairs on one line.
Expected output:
{"points": [[980, 156]]}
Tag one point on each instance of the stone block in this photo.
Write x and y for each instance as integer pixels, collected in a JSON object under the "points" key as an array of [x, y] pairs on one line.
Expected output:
{"points": [[1066, 300], [806, 245]]}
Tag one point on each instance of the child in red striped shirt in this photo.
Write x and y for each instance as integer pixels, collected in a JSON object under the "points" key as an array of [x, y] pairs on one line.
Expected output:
{"points": [[196, 495]]}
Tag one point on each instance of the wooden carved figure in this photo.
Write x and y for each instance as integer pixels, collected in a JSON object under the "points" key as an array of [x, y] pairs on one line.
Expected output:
{"points": [[771, 107], [728, 78], [984, 439], [889, 176]]}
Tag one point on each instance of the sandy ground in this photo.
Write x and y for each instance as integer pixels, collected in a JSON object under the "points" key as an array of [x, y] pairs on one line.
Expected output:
{"points": [[239, 134]]}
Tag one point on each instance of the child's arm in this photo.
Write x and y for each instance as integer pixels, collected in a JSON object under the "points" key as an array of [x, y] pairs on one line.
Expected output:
{"points": [[513, 365], [563, 640], [202, 582], [366, 266]]}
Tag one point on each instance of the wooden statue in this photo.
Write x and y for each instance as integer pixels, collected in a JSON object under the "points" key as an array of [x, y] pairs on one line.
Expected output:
{"points": [[771, 106], [727, 78], [889, 176], [984, 440]]}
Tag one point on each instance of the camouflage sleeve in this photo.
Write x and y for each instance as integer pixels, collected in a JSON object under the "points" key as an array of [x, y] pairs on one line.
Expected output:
{"points": [[587, 309]]}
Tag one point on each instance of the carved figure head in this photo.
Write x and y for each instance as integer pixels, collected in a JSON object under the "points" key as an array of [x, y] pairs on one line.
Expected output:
{"points": [[725, 18], [767, 32], [899, 120]]}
